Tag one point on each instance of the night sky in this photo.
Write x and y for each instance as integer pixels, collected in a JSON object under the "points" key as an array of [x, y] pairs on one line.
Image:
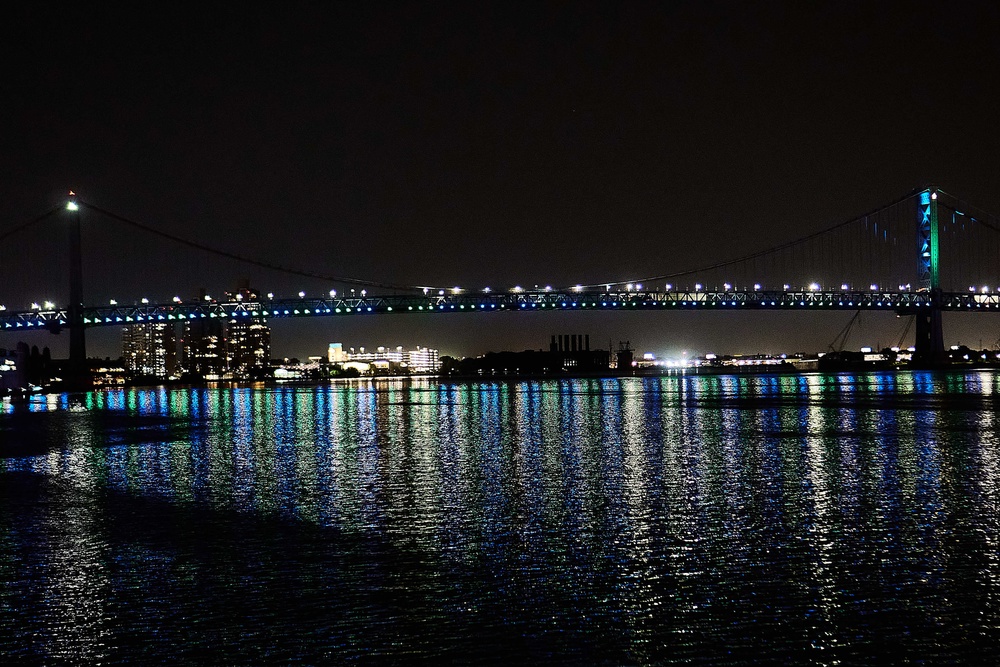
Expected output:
{"points": [[487, 144]]}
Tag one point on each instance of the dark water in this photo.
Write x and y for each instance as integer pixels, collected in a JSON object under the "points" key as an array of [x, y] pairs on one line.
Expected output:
{"points": [[817, 519]]}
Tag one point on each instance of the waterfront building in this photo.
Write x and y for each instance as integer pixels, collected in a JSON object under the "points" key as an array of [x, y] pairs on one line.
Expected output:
{"points": [[238, 348], [248, 338], [417, 360], [335, 353], [423, 360], [202, 349], [248, 346], [149, 349]]}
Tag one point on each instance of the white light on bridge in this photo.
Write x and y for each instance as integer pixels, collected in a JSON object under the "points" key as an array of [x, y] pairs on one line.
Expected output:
{"points": [[302, 295], [49, 305], [456, 290], [638, 286], [3, 307], [873, 287], [518, 289], [985, 290], [177, 299], [208, 297], [72, 206], [756, 287], [786, 287], [333, 293], [727, 286], [813, 287], [35, 306], [578, 288], [113, 302], [697, 287], [628, 287], [486, 290], [844, 287], [145, 300], [270, 295], [669, 287]]}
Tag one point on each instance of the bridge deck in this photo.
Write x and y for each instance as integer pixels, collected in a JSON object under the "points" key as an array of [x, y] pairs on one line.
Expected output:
{"points": [[117, 315]]}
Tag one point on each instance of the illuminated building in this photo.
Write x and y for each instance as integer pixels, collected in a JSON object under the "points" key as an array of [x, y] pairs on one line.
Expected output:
{"points": [[248, 346], [417, 360], [202, 351], [238, 349], [150, 349], [247, 337], [423, 360], [335, 354]]}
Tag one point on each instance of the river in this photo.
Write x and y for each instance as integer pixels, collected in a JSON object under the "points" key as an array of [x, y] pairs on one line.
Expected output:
{"points": [[796, 519]]}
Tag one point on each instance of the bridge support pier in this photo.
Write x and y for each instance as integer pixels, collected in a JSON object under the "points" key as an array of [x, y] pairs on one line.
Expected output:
{"points": [[929, 344], [78, 372]]}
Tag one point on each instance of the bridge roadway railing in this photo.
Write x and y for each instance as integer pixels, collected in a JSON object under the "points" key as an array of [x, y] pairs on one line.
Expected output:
{"points": [[117, 315]]}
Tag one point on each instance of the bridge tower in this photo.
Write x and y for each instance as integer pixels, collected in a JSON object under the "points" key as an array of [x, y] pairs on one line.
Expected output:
{"points": [[77, 337], [929, 338]]}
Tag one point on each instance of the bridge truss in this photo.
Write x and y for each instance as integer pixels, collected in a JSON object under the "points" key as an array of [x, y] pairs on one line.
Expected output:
{"points": [[543, 301]]}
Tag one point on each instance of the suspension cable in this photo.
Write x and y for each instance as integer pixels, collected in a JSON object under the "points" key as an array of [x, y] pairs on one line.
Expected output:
{"points": [[249, 260], [29, 223], [762, 253]]}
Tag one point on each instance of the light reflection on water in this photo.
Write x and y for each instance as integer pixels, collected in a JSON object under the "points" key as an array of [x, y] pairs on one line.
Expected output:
{"points": [[722, 519]]}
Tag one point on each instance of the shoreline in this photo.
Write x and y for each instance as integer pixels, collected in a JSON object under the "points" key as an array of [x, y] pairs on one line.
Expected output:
{"points": [[787, 369]]}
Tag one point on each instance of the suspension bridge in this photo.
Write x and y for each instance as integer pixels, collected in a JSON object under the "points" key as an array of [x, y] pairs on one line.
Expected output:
{"points": [[924, 254]]}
